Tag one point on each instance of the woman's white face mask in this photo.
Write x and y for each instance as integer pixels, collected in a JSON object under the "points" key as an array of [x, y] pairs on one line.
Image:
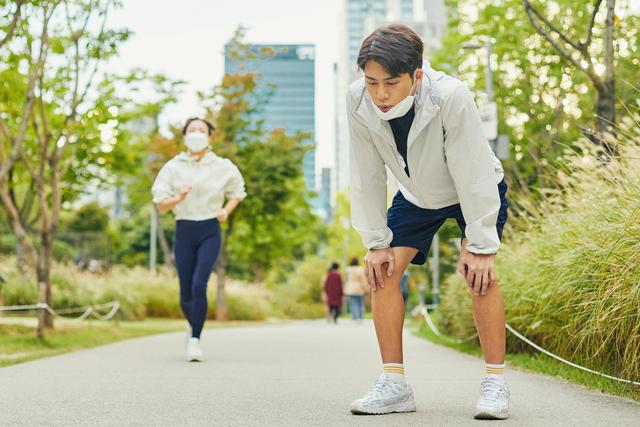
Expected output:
{"points": [[196, 141], [402, 107]]}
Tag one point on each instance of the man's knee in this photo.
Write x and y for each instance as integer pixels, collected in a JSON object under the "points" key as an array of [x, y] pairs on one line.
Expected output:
{"points": [[391, 290]]}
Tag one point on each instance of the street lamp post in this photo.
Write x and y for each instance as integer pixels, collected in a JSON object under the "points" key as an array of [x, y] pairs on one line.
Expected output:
{"points": [[489, 112]]}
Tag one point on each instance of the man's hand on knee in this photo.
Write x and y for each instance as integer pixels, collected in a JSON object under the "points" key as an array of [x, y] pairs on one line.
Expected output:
{"points": [[378, 264], [478, 270]]}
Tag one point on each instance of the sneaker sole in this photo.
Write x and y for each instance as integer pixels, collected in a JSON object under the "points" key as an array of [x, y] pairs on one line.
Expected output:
{"points": [[486, 415], [397, 408]]}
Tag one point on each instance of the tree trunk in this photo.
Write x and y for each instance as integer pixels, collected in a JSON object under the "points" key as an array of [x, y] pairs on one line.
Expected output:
{"points": [[42, 312], [21, 258], [44, 273], [606, 105], [16, 224], [605, 123], [222, 312], [258, 274], [164, 244]]}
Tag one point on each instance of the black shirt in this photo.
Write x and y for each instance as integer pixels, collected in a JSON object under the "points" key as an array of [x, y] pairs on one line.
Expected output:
{"points": [[400, 128]]}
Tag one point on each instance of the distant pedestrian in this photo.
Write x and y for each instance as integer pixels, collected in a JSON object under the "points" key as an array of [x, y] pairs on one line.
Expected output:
{"points": [[356, 288], [334, 292]]}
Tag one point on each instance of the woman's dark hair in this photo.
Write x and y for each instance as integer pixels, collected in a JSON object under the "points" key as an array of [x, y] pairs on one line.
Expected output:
{"points": [[210, 127], [354, 261], [396, 47], [334, 266]]}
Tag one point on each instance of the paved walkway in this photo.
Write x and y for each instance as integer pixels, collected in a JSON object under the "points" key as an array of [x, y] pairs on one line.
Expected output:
{"points": [[297, 374]]}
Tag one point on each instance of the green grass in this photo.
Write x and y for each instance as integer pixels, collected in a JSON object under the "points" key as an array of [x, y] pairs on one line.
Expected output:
{"points": [[18, 341], [141, 293], [537, 362]]}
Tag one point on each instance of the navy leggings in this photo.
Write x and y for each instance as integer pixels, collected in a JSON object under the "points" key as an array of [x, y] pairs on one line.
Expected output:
{"points": [[196, 246]]}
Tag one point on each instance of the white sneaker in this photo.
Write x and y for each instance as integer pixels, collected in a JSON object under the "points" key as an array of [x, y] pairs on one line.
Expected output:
{"points": [[494, 400], [384, 397], [194, 351]]}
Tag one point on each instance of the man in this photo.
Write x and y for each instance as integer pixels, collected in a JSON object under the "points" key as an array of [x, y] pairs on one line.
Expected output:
{"points": [[425, 128]]}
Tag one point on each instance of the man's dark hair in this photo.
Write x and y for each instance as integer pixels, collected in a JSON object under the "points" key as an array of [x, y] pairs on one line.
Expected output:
{"points": [[396, 47], [354, 261], [334, 266], [210, 127]]}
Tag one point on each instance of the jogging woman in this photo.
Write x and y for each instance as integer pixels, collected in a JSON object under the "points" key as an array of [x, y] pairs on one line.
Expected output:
{"points": [[194, 185]]}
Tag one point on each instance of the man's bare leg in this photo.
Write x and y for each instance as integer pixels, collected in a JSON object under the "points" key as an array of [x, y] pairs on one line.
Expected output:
{"points": [[488, 314], [390, 393], [388, 308]]}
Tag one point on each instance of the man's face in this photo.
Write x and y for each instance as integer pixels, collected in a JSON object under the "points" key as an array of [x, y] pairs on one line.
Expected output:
{"points": [[386, 90]]}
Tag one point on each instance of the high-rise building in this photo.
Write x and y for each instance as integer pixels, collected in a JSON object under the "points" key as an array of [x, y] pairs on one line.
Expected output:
{"points": [[291, 104], [359, 18], [324, 195], [435, 24]]}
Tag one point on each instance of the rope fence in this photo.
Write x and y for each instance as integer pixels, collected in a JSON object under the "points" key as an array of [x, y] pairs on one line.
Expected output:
{"points": [[427, 317], [91, 310]]}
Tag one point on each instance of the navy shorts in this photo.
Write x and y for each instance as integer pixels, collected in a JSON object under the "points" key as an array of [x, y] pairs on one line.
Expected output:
{"points": [[415, 227]]}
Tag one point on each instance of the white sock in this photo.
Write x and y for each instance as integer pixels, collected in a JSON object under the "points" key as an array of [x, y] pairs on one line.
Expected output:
{"points": [[395, 371], [495, 371]]}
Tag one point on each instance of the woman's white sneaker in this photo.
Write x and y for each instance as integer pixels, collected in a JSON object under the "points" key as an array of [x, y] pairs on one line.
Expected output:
{"points": [[494, 400], [194, 351], [384, 397]]}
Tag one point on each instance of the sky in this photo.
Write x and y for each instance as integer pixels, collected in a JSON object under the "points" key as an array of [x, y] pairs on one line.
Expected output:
{"points": [[185, 39]]}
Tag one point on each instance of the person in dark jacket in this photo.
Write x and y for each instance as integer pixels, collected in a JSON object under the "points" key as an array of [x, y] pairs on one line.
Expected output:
{"points": [[333, 291]]}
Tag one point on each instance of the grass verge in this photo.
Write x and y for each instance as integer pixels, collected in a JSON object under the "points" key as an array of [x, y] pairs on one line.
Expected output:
{"points": [[18, 341]]}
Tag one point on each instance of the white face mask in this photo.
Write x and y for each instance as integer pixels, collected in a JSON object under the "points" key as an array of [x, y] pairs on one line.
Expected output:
{"points": [[196, 141], [400, 109]]}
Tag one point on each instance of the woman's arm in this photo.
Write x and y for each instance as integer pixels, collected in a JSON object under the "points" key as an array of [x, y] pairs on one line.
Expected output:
{"points": [[171, 202], [224, 212], [234, 191]]}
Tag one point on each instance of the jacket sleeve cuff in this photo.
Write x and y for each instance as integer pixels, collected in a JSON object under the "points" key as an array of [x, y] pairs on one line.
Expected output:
{"points": [[376, 239], [160, 195], [237, 194], [482, 240]]}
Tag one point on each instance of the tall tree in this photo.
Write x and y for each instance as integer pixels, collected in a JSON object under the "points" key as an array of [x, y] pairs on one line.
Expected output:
{"points": [[580, 53], [545, 104], [63, 119]]}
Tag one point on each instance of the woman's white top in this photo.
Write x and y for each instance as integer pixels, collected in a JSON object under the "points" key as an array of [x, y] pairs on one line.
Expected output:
{"points": [[211, 180]]}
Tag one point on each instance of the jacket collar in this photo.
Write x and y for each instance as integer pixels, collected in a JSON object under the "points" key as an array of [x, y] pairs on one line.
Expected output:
{"points": [[209, 157], [426, 108]]}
